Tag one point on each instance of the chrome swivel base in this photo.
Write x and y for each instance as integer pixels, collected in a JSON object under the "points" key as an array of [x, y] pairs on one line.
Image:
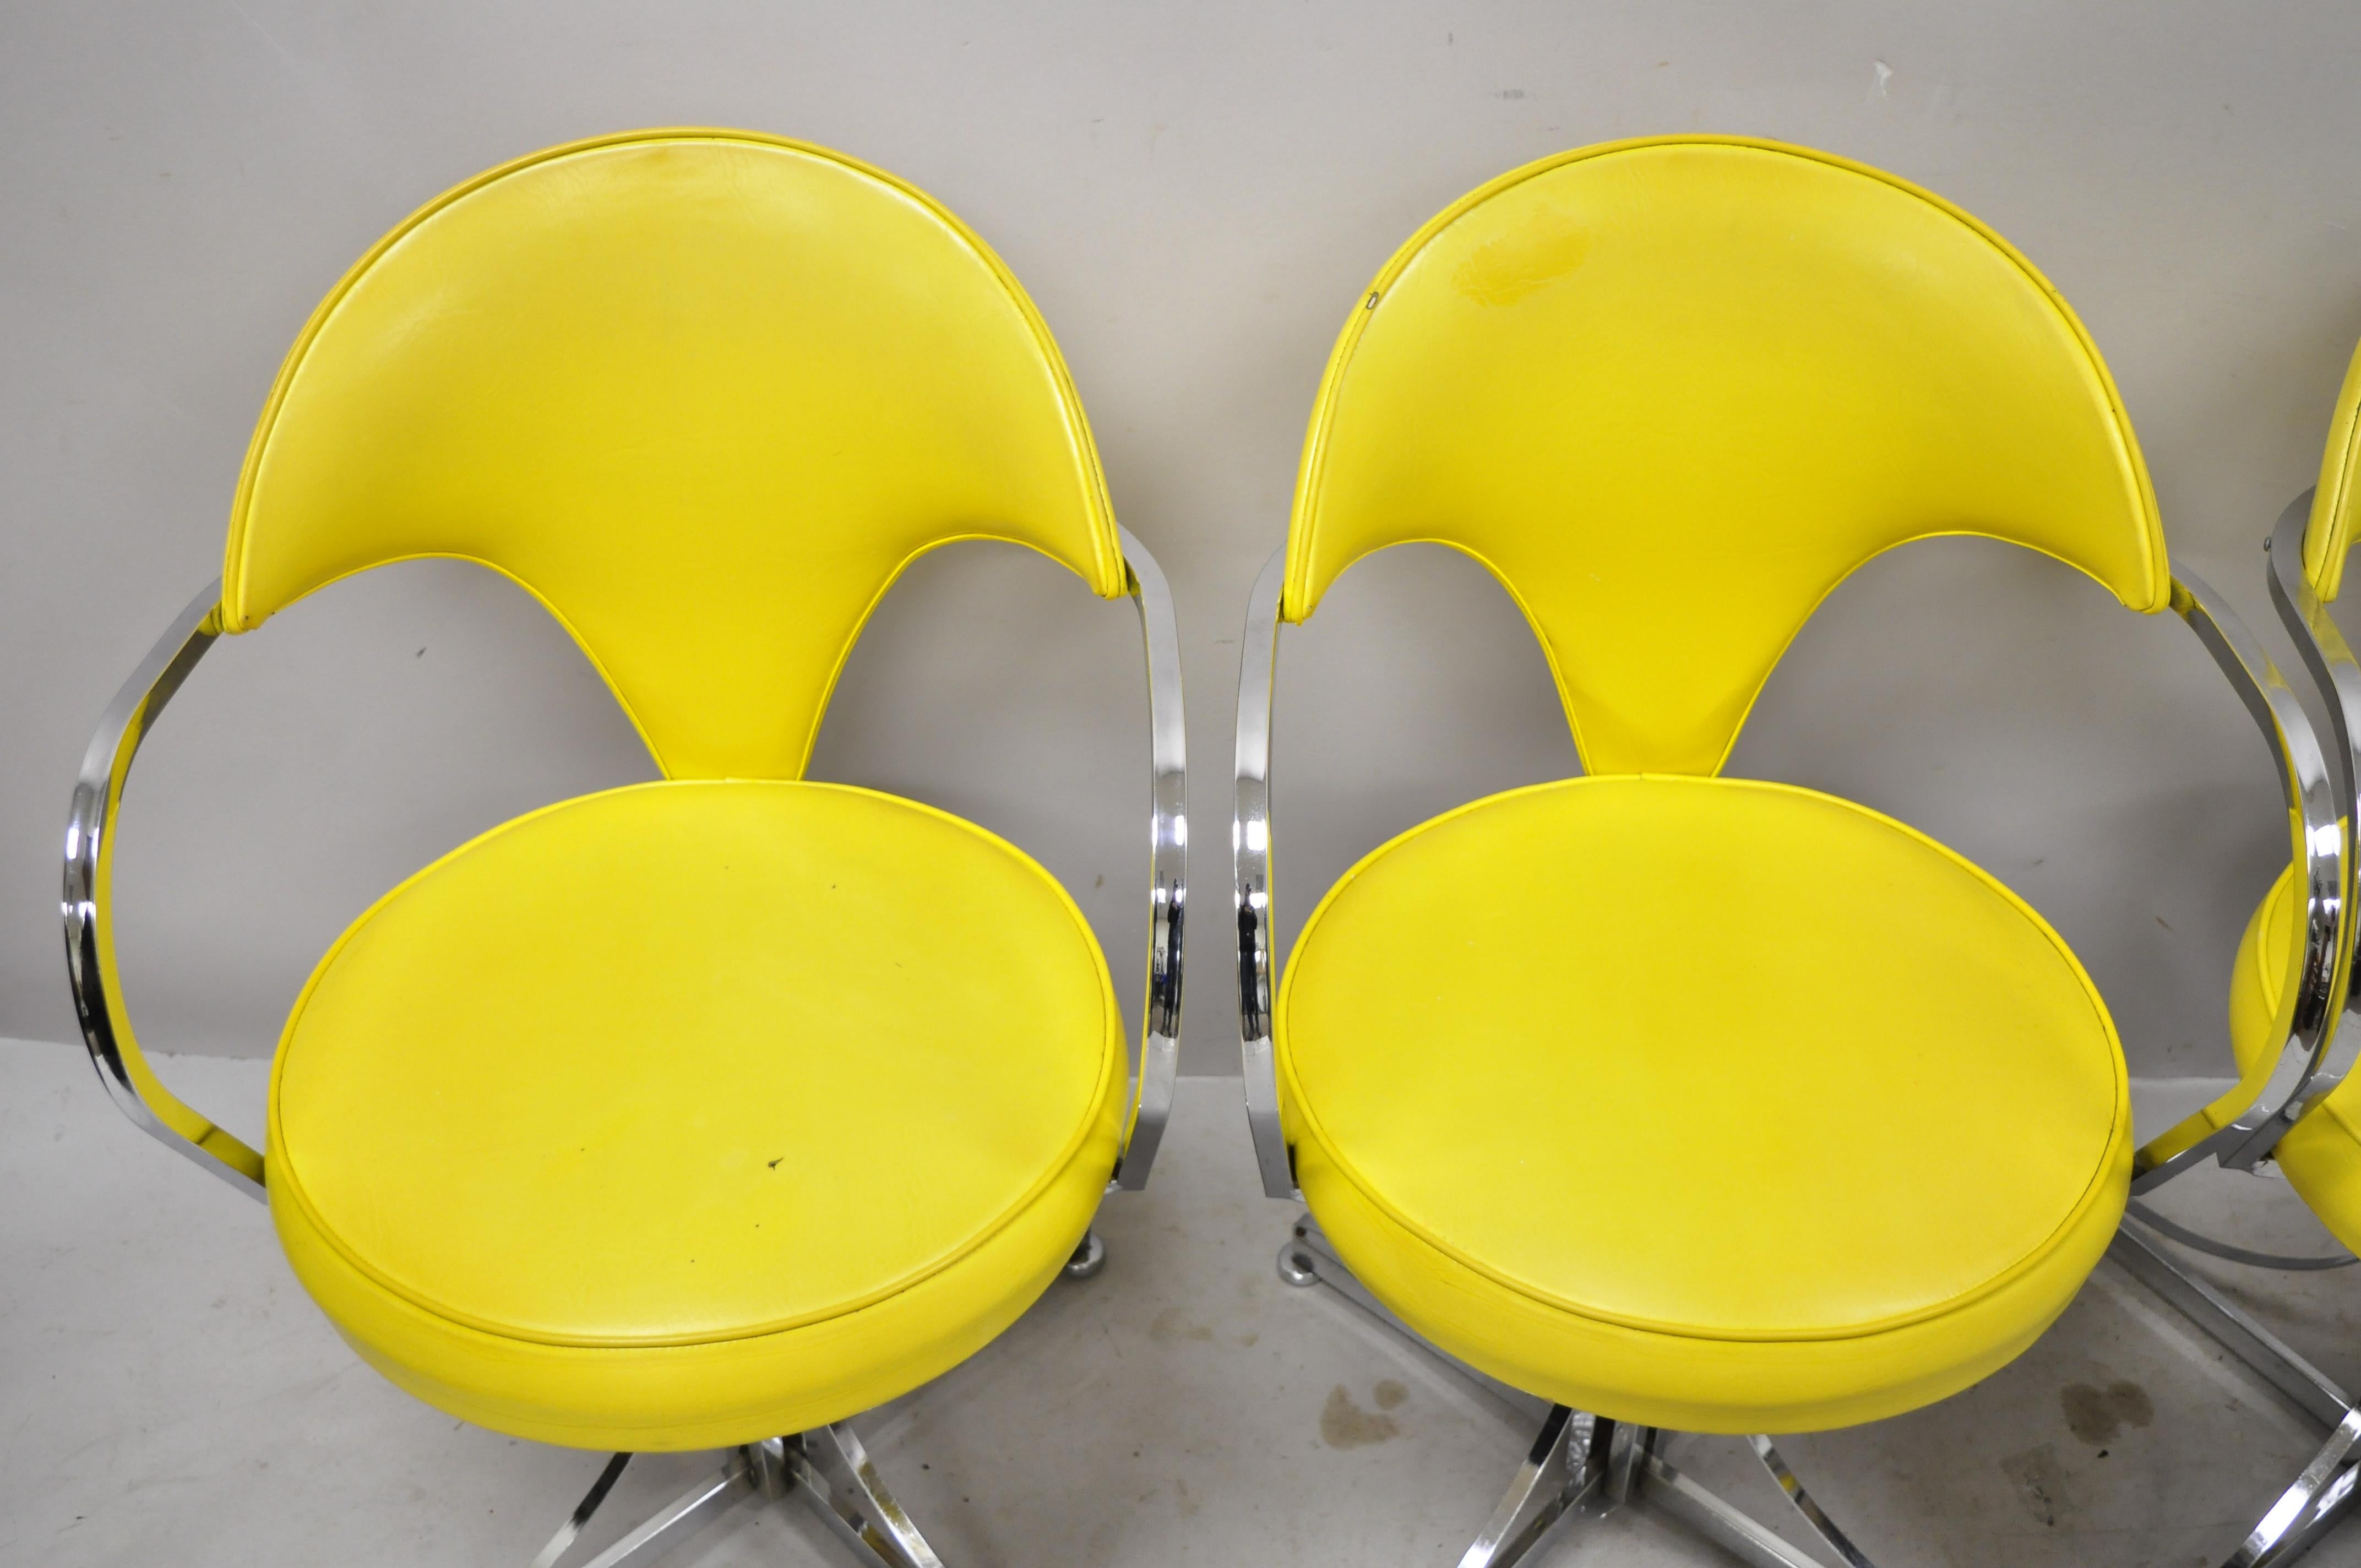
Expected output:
{"points": [[828, 1469], [2325, 1490], [1583, 1465]]}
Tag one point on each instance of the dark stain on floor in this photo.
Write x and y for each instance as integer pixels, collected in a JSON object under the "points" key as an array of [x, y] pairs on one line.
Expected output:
{"points": [[1344, 1424], [2097, 1415]]}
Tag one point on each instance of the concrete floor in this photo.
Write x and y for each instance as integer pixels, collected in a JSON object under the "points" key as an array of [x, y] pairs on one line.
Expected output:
{"points": [[168, 1393]]}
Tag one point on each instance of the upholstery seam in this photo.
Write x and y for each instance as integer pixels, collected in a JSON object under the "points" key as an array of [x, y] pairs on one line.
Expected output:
{"points": [[2094, 1189], [1078, 1142]]}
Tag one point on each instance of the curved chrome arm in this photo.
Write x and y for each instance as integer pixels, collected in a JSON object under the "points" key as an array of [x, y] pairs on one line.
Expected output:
{"points": [[2241, 1127], [1167, 868], [90, 942], [2326, 655], [1251, 852]]}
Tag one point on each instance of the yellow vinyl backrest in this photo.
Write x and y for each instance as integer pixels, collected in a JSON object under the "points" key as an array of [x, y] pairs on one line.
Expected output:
{"points": [[2337, 497], [703, 393], [1672, 391]]}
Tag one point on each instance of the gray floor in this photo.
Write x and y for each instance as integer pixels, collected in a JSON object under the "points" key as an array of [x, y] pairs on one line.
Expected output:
{"points": [[167, 1393]]}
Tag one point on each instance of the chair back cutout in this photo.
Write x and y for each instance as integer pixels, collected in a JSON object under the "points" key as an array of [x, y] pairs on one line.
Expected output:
{"points": [[703, 393], [1672, 392]]}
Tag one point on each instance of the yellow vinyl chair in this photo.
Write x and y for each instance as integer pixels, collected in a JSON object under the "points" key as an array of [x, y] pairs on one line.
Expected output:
{"points": [[2294, 1103], [1681, 1101], [710, 1113]]}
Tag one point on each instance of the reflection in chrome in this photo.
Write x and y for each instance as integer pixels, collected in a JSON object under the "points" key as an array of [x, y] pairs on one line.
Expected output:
{"points": [[1250, 855], [1556, 1477], [1167, 868], [2325, 656], [571, 1531], [2199, 1242], [828, 1469], [1088, 1258], [1814, 1515], [2314, 992], [90, 936]]}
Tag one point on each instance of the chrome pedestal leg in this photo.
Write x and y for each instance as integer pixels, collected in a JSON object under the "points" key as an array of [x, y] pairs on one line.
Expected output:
{"points": [[828, 1468], [1814, 1515], [1579, 1465], [548, 1555], [2325, 1491], [1557, 1474]]}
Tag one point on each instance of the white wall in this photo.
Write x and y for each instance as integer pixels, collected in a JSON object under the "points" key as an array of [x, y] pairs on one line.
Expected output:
{"points": [[1194, 195]]}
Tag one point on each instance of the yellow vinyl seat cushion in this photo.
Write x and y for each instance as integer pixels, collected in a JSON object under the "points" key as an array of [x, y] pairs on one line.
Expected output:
{"points": [[1706, 1104], [2321, 1153], [691, 1114]]}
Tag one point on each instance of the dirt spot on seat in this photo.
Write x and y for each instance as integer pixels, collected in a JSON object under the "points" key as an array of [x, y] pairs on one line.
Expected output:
{"points": [[2096, 1415], [1389, 1394], [1344, 1424]]}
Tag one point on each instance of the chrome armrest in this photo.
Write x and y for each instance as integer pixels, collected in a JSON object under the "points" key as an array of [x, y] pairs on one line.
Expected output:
{"points": [[90, 942], [2240, 1129], [1251, 852], [2330, 662], [1168, 869]]}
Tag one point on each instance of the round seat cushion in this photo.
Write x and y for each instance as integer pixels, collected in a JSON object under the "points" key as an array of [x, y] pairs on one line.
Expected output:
{"points": [[692, 1113], [2320, 1155], [1703, 1103]]}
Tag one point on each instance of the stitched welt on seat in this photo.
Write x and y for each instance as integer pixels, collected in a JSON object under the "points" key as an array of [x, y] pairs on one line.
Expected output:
{"points": [[1081, 1141], [2102, 1184]]}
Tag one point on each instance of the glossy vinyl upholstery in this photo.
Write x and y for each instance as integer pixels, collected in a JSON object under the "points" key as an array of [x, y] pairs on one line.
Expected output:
{"points": [[719, 1109], [1673, 392], [703, 393], [690, 1114], [1704, 1103]]}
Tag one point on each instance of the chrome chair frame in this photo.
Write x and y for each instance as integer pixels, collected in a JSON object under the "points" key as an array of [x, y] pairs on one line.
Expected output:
{"points": [[827, 1467], [1583, 1464]]}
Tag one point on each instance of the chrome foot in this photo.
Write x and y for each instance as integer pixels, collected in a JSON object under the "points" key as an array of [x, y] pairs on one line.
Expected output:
{"points": [[1297, 1265], [2325, 1491], [1089, 1257], [828, 1469]]}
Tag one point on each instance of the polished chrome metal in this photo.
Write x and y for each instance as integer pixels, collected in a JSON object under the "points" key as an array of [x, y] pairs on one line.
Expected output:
{"points": [[1250, 886], [1556, 1481], [683, 1517], [1814, 1515], [2314, 996], [2322, 649], [1736, 1532], [2324, 1492], [2276, 1532], [1625, 1450], [1088, 1259], [89, 844], [572, 1528], [1297, 1266], [2198, 1241], [826, 1468], [2336, 1500], [846, 1491], [2269, 1356], [1168, 869]]}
